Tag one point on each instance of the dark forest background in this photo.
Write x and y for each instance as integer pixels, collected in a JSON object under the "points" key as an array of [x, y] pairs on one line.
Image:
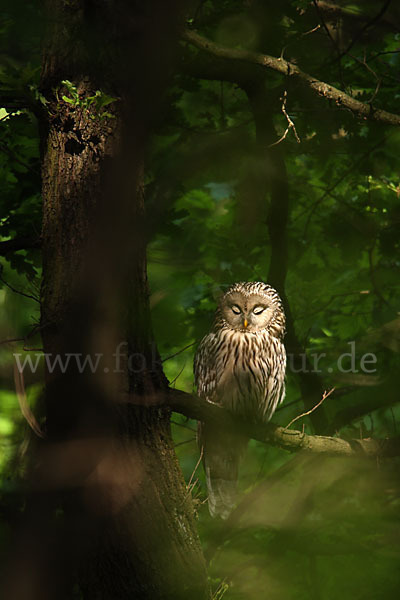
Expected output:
{"points": [[285, 170]]}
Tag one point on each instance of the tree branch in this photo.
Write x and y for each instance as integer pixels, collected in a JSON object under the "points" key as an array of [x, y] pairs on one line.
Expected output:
{"points": [[193, 407], [341, 99], [274, 179]]}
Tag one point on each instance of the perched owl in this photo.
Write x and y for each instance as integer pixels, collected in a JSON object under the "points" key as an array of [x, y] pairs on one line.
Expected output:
{"points": [[241, 366]]}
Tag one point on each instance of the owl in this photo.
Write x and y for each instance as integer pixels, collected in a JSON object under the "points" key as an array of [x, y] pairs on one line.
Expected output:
{"points": [[239, 365]]}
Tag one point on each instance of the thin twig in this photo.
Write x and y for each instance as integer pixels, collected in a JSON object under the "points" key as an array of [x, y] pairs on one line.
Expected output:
{"points": [[23, 339], [9, 114], [193, 439], [378, 54], [324, 397], [289, 120], [296, 38], [324, 25], [11, 341], [179, 352], [312, 30], [334, 43], [378, 79], [179, 374], [196, 467], [183, 425], [18, 291]]}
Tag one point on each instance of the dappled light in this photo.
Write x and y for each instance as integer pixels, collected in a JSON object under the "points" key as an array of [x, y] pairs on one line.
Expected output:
{"points": [[152, 155]]}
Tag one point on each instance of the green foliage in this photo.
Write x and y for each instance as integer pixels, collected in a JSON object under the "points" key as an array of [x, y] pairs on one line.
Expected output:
{"points": [[323, 529], [97, 102], [312, 528], [20, 200]]}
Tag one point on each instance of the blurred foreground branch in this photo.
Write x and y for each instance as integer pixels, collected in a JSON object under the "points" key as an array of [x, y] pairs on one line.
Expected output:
{"points": [[193, 407]]}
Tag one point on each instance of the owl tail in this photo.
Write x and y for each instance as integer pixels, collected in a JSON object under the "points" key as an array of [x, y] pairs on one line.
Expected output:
{"points": [[222, 494], [221, 457]]}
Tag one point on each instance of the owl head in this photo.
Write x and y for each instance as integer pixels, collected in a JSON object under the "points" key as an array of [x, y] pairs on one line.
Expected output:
{"points": [[251, 307]]}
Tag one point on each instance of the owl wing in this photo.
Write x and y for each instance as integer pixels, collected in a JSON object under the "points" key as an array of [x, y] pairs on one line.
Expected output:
{"points": [[205, 367], [273, 368], [220, 449]]}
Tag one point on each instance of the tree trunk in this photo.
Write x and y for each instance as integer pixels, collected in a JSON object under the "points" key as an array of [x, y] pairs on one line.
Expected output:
{"points": [[107, 478]]}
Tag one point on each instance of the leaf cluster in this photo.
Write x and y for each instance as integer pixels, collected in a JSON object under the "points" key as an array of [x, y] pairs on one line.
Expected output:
{"points": [[96, 102]]}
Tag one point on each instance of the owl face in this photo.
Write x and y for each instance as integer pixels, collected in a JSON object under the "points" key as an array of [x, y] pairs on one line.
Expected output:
{"points": [[247, 312]]}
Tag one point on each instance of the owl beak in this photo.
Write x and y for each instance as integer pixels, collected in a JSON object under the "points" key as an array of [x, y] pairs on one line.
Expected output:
{"points": [[245, 323]]}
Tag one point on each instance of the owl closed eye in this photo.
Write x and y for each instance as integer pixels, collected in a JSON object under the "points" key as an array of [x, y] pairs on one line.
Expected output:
{"points": [[244, 312]]}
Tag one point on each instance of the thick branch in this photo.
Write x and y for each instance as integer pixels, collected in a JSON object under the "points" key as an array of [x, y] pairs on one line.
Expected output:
{"points": [[289, 439], [362, 110]]}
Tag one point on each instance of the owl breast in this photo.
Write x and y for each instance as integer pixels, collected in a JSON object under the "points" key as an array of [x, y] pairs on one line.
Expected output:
{"points": [[249, 372]]}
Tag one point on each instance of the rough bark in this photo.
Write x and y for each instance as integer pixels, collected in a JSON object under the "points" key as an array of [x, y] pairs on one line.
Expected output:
{"points": [[109, 511]]}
